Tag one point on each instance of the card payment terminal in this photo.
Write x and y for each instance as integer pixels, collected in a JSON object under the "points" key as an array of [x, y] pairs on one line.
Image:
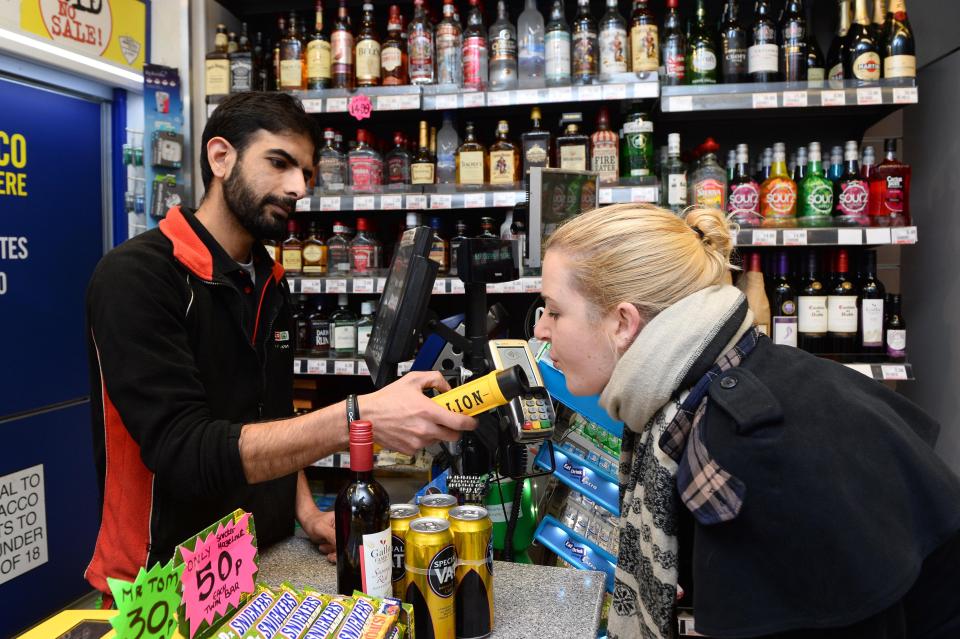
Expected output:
{"points": [[531, 415]]}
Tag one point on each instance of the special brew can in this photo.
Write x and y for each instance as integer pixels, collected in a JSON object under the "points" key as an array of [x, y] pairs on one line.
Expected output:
{"points": [[437, 505], [400, 517], [431, 567], [473, 541]]}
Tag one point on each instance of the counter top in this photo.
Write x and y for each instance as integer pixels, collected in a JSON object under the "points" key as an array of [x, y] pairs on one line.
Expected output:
{"points": [[528, 601]]}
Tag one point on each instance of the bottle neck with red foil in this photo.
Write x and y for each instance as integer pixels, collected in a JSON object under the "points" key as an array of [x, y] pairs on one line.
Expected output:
{"points": [[361, 449]]}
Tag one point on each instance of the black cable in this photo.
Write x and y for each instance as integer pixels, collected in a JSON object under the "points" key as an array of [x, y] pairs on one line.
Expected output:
{"points": [[528, 318], [512, 522]]}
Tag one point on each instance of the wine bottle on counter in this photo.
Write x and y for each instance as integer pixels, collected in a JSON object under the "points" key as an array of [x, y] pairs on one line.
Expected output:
{"points": [[362, 517]]}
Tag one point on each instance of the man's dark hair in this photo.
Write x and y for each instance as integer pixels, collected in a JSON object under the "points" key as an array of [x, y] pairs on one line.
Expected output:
{"points": [[240, 116]]}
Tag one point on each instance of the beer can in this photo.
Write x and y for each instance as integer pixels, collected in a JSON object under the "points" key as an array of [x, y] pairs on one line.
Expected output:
{"points": [[437, 505], [473, 541], [400, 517], [431, 567]]}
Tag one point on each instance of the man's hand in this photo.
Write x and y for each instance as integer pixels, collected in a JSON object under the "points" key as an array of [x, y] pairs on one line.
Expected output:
{"points": [[319, 528], [405, 420]]}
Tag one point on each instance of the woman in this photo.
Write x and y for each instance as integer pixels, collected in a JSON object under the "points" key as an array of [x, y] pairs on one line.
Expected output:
{"points": [[803, 499]]}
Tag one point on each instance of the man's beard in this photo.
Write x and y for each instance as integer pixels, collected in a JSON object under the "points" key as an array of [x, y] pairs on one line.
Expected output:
{"points": [[250, 209]]}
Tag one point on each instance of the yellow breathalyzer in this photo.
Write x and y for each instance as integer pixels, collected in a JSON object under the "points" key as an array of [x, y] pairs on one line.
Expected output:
{"points": [[485, 393]]}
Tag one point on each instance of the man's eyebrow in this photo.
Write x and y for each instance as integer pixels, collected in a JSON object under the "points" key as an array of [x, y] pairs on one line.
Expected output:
{"points": [[286, 156]]}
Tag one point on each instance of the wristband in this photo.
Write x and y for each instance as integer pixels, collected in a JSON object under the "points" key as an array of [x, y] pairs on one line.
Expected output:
{"points": [[353, 409]]}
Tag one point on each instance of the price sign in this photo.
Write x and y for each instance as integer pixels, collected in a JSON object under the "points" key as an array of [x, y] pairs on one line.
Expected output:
{"points": [[591, 93], [833, 98], [381, 283], [614, 92], [408, 102], [336, 286], [336, 105], [513, 286], [863, 369], [311, 285], [316, 367], [905, 95], [473, 100], [878, 236], [605, 196], [532, 284], [391, 202], [219, 570], [341, 367], [447, 101], [904, 235], [507, 198], [869, 95], [441, 201], [559, 94], [330, 203], [363, 285], [764, 100], [849, 237], [313, 105], [794, 98], [894, 372], [764, 237], [474, 200], [362, 368], [439, 287], [363, 203], [528, 96], [681, 103], [795, 237], [303, 204], [643, 194], [416, 201], [499, 98], [387, 103], [147, 605], [456, 286]]}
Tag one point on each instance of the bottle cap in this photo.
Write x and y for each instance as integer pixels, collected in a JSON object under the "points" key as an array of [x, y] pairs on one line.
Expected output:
{"points": [[673, 144], [362, 136], [890, 145], [367, 6], [869, 155], [413, 220], [435, 223], [709, 146], [802, 155], [342, 299], [535, 113], [362, 224], [743, 154], [850, 153]]}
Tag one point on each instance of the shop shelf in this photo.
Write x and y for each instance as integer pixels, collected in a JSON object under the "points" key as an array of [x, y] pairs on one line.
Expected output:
{"points": [[400, 98], [884, 372], [575, 549], [872, 236], [583, 476], [374, 283], [306, 365]]}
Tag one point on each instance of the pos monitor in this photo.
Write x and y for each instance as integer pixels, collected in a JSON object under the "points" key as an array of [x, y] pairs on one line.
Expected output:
{"points": [[403, 305]]}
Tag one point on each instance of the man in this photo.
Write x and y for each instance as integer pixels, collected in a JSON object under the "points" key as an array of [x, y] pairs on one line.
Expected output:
{"points": [[189, 336]]}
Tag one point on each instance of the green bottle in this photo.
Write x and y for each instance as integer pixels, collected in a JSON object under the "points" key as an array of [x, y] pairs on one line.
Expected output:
{"points": [[816, 192], [701, 49]]}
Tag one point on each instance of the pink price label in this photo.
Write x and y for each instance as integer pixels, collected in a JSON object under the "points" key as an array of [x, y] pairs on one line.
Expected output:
{"points": [[219, 571], [360, 107]]}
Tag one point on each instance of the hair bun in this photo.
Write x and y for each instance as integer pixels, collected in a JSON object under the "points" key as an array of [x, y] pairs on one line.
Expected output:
{"points": [[714, 230]]}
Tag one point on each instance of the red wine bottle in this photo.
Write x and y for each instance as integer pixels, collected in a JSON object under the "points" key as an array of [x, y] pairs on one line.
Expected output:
{"points": [[362, 514], [872, 296], [842, 316]]}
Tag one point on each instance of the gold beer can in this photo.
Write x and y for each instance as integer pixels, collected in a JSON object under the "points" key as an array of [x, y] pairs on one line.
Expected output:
{"points": [[473, 540], [437, 505], [431, 567], [400, 517]]}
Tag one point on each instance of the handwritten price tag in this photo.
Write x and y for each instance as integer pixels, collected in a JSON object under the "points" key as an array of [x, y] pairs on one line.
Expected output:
{"points": [[833, 98], [474, 200], [219, 569], [363, 203], [795, 237], [147, 605], [764, 100]]}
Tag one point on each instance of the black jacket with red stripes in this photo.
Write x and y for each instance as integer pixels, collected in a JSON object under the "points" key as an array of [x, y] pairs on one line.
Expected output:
{"points": [[181, 362]]}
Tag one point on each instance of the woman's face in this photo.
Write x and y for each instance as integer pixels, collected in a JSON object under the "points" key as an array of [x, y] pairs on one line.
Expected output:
{"points": [[581, 341]]}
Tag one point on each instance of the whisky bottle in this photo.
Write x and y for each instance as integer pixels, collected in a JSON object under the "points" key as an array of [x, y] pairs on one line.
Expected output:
{"points": [[341, 50], [291, 59], [217, 65], [292, 250], [393, 54], [318, 54], [503, 159], [573, 146], [368, 50], [535, 145], [423, 168], [398, 161], [242, 64], [471, 160], [314, 251]]}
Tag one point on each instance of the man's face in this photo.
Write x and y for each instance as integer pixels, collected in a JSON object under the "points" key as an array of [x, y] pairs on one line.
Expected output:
{"points": [[266, 180]]}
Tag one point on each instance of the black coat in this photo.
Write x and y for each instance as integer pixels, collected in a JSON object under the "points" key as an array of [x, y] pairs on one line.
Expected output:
{"points": [[845, 498]]}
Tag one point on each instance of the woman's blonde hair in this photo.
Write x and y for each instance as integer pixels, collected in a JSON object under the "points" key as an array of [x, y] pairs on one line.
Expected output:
{"points": [[643, 254]]}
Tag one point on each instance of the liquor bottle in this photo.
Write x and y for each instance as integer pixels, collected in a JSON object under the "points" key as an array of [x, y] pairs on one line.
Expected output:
{"points": [[793, 42], [778, 193], [471, 160], [743, 202], [292, 71], [343, 329], [535, 145], [367, 52], [673, 47], [486, 227], [503, 51], [842, 308], [332, 165], [273, 250], [586, 46], [503, 159], [423, 168], [393, 53], [318, 54], [433, 143], [281, 34], [892, 189], [852, 194], [835, 170], [557, 47], [708, 182], [815, 192], [733, 45], [766, 165], [314, 251], [232, 46], [365, 326], [440, 248], [876, 24], [614, 45], [362, 516], [895, 330], [763, 54], [701, 49], [837, 55], [816, 67], [636, 150], [241, 64], [301, 325], [475, 53], [604, 150], [863, 54], [341, 50], [783, 303], [800, 171], [573, 147], [318, 325], [899, 48], [261, 63], [531, 47], [751, 282], [812, 308], [644, 39], [455, 242], [398, 160], [674, 174], [447, 143], [364, 164], [872, 296], [449, 48], [217, 65], [365, 251], [731, 164], [420, 49], [292, 250]]}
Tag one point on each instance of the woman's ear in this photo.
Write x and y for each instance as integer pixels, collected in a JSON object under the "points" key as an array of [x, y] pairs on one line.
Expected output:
{"points": [[629, 324]]}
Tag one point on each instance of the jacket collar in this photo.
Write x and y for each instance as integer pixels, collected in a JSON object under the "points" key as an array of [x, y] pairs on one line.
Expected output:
{"points": [[197, 253]]}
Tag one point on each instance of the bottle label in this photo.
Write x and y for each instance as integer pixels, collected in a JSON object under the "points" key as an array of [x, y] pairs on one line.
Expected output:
{"points": [[677, 189], [315, 258], [318, 60], [836, 72], [503, 167], [532, 50], [842, 313], [644, 47], [503, 47], [584, 53], [291, 74], [362, 258], [344, 337], [241, 75], [762, 58], [573, 157], [536, 154], [390, 59], [816, 74], [438, 254], [867, 66], [703, 61], [341, 48], [422, 173], [368, 60], [471, 167], [398, 171], [819, 201], [421, 57], [604, 159], [734, 60], [780, 200], [709, 193], [376, 564], [292, 259], [217, 79], [331, 173], [900, 66], [872, 322], [366, 172], [557, 45], [785, 328], [320, 332], [853, 198], [812, 314], [675, 64], [363, 338], [744, 202], [896, 342], [474, 62], [892, 196], [613, 51], [449, 65]]}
